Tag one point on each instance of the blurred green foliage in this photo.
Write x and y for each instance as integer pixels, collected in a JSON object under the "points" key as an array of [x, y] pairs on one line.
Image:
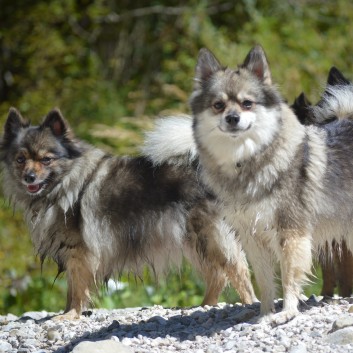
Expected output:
{"points": [[111, 66]]}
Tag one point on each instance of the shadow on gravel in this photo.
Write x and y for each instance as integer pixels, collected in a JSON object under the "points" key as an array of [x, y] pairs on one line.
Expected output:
{"points": [[183, 327]]}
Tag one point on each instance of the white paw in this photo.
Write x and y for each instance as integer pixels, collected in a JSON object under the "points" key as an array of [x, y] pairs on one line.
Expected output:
{"points": [[70, 315], [279, 318]]}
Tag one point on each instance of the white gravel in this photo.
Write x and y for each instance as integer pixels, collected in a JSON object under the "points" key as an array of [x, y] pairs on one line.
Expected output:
{"points": [[320, 327]]}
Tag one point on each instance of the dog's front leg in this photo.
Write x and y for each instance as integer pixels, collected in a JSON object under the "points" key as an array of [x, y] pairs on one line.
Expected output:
{"points": [[80, 279], [296, 262], [262, 262]]}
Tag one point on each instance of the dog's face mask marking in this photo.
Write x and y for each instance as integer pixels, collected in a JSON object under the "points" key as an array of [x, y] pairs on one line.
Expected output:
{"points": [[235, 114], [36, 155], [237, 104], [34, 169]]}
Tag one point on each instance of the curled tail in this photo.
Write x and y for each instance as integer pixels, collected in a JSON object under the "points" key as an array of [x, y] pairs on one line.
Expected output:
{"points": [[171, 141], [336, 102]]}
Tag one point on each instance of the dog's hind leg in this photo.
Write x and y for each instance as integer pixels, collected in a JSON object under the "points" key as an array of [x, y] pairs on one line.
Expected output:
{"points": [[215, 280], [215, 252], [207, 266], [80, 280], [217, 271], [345, 271], [328, 270], [237, 270]]}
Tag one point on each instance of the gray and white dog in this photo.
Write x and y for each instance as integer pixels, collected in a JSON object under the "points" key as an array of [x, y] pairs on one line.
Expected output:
{"points": [[98, 215], [336, 260], [286, 188]]}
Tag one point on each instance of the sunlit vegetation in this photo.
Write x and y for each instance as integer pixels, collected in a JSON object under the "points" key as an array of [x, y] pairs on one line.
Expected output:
{"points": [[112, 66]]}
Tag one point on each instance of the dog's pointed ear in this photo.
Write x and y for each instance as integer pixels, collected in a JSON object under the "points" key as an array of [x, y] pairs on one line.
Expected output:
{"points": [[257, 63], [301, 108], [14, 124], [56, 123], [298, 102], [207, 64], [302, 101], [335, 77]]}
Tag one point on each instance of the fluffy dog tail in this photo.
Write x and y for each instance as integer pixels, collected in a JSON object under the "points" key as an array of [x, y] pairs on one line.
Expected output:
{"points": [[337, 102], [171, 141]]}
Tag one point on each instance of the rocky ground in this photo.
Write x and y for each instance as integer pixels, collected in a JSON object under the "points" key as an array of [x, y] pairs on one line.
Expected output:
{"points": [[322, 326]]}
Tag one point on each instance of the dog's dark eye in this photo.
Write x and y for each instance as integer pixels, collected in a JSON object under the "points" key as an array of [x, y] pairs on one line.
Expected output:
{"points": [[219, 105], [46, 160], [247, 105], [20, 160]]}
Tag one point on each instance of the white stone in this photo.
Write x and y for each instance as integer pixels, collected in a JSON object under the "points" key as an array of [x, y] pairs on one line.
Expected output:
{"points": [[345, 321], [106, 346], [5, 346], [341, 337]]}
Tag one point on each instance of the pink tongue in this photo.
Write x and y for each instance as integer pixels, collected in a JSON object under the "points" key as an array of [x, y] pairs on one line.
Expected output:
{"points": [[33, 188]]}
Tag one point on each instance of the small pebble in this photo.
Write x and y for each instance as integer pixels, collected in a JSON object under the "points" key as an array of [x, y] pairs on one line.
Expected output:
{"points": [[53, 335]]}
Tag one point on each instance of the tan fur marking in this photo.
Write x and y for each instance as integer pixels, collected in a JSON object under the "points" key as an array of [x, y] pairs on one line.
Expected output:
{"points": [[296, 263], [240, 279], [80, 280]]}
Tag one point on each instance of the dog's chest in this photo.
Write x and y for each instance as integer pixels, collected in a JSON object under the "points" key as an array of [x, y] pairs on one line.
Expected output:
{"points": [[243, 188], [258, 220], [41, 222]]}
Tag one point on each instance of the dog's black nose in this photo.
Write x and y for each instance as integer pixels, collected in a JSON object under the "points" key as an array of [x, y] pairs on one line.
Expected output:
{"points": [[30, 177], [232, 119]]}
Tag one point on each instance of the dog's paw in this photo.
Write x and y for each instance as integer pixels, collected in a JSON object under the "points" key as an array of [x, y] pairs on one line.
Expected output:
{"points": [[279, 318], [70, 315]]}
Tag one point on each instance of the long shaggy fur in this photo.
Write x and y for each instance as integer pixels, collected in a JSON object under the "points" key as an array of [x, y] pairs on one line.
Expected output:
{"points": [[98, 215], [335, 103]]}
